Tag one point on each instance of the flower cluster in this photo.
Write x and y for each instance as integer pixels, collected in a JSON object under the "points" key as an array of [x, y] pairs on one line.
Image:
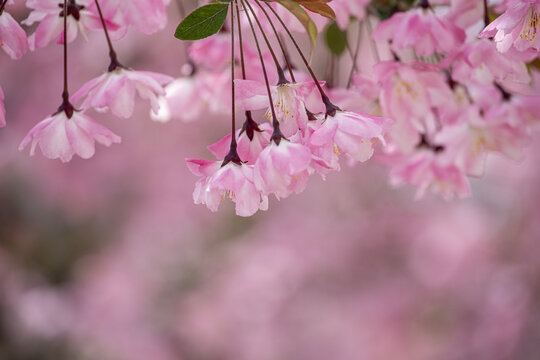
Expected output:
{"points": [[443, 87], [70, 130]]}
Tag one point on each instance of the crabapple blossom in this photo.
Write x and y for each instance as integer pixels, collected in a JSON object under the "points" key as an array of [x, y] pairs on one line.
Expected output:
{"points": [[182, 100], [60, 136], [517, 30], [13, 39], [49, 14], [428, 170], [220, 181], [421, 29], [281, 169], [288, 102], [345, 9], [116, 90], [147, 16], [352, 134], [249, 146]]}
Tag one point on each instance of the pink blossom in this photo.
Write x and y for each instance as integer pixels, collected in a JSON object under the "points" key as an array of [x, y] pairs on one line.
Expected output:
{"points": [[282, 169], [288, 101], [61, 137], [469, 141], [231, 181], [12, 37], [421, 29], [248, 149], [409, 92], [2, 109], [351, 133], [116, 90], [182, 100], [517, 29], [147, 16], [465, 13], [427, 170], [344, 9], [480, 62], [82, 15]]}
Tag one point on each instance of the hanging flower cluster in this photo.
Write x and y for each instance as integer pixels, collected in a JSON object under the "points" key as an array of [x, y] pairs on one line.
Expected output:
{"points": [[448, 87]]}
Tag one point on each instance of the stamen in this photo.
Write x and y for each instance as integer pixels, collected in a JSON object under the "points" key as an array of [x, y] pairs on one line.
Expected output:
{"points": [[530, 25]]}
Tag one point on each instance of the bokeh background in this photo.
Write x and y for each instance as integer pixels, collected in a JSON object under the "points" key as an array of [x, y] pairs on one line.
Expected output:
{"points": [[110, 259]]}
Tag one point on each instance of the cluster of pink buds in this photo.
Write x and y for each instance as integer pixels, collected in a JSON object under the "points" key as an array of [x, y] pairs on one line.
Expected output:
{"points": [[277, 157]]}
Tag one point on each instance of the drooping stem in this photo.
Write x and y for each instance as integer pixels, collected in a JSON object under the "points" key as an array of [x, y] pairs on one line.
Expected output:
{"points": [[355, 56], [250, 126], [3, 6], [330, 108], [281, 75], [277, 135], [486, 13], [280, 42], [232, 156], [66, 106], [112, 54], [233, 98]]}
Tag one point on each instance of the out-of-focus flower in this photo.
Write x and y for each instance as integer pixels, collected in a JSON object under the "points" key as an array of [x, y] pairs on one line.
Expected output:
{"points": [[147, 16], [429, 170], [182, 100], [421, 29], [116, 90], [60, 136], [13, 39], [345, 9]]}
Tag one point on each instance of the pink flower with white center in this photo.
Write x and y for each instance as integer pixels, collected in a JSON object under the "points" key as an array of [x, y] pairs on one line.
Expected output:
{"points": [[248, 148], [518, 29], [288, 101], [147, 16], [231, 181], [116, 90], [351, 133], [282, 169], [12, 37], [2, 109], [422, 30], [182, 100], [345, 9], [428, 170], [50, 15], [61, 137]]}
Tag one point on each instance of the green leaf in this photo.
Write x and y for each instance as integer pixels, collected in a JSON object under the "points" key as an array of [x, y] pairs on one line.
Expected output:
{"points": [[336, 39], [304, 19], [203, 22]]}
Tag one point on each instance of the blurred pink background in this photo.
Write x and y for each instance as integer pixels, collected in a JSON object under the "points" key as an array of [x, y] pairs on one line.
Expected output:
{"points": [[109, 258]]}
